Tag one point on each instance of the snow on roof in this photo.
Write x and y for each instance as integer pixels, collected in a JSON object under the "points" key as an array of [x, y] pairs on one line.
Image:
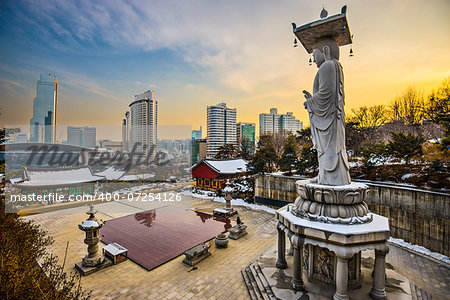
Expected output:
{"points": [[90, 223], [231, 166], [60, 176], [137, 177], [111, 173], [15, 180], [115, 249]]}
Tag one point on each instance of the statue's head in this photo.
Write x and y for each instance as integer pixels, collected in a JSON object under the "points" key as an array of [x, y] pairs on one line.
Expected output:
{"points": [[325, 49]]}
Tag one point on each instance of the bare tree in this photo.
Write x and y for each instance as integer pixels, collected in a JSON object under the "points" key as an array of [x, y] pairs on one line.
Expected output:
{"points": [[278, 140], [408, 107], [438, 103], [366, 119], [372, 116], [246, 148]]}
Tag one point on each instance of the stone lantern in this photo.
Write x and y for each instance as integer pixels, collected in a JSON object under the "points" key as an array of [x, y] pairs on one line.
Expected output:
{"points": [[228, 190], [228, 211], [92, 226]]}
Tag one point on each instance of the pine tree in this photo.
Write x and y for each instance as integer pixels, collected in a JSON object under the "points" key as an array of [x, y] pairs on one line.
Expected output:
{"points": [[265, 159], [405, 146], [289, 159], [226, 151]]}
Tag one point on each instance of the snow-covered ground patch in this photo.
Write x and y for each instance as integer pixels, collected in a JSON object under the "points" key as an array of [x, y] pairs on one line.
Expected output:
{"points": [[236, 202], [150, 187], [420, 249], [406, 176]]}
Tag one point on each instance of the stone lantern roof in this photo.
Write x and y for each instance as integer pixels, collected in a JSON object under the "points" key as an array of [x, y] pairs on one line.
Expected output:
{"points": [[91, 223]]}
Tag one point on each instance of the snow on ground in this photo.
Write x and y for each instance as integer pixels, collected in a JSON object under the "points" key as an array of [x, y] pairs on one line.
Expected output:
{"points": [[150, 187], [236, 202], [406, 176], [420, 249]]}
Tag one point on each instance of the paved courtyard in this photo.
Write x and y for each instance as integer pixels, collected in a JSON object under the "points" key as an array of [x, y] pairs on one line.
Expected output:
{"points": [[217, 277]]}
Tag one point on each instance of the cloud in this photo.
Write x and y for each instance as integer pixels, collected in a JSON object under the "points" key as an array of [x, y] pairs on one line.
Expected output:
{"points": [[85, 84], [245, 46], [242, 44], [11, 82]]}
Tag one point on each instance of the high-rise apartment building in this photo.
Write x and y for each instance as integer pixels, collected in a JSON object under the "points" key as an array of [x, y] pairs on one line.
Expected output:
{"points": [[275, 123], [82, 136], [245, 133], [143, 132], [290, 123], [221, 128], [43, 122]]}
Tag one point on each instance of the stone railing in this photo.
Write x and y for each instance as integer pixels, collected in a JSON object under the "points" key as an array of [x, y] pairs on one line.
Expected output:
{"points": [[417, 216]]}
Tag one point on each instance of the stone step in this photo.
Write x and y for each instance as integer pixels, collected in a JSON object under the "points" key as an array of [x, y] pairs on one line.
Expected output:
{"points": [[418, 293], [259, 282], [254, 284], [257, 285], [265, 283], [249, 285]]}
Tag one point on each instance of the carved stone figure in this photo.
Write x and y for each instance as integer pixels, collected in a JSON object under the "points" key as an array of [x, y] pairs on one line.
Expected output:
{"points": [[326, 113], [324, 267]]}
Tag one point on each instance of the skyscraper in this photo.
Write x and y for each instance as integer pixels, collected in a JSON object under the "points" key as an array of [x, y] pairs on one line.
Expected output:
{"points": [[221, 128], [143, 122], [276, 123], [43, 122]]}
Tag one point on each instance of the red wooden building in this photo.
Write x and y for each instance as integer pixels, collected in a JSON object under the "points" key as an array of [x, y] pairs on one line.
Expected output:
{"points": [[212, 174]]}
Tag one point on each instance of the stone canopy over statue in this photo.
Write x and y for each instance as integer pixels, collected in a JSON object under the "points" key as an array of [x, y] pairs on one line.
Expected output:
{"points": [[326, 104]]}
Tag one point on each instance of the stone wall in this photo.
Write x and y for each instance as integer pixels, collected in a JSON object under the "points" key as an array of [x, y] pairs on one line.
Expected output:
{"points": [[417, 216]]}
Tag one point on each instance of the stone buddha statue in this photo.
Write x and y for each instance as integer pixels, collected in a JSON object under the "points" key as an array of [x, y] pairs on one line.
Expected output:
{"points": [[326, 113]]}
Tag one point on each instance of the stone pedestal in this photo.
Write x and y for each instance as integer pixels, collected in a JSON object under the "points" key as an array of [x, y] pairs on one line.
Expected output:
{"points": [[196, 254], [237, 231], [86, 270], [332, 204], [331, 253]]}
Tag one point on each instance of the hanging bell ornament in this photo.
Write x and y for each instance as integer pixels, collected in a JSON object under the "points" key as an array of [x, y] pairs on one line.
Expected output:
{"points": [[351, 51], [295, 43]]}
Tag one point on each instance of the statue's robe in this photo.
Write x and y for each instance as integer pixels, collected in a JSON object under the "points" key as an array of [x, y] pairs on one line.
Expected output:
{"points": [[327, 118]]}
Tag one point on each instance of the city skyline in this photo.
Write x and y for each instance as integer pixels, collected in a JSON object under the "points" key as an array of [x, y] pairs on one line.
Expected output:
{"points": [[195, 54]]}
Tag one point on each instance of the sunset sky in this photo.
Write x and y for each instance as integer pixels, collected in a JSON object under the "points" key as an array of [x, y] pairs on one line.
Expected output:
{"points": [[199, 53]]}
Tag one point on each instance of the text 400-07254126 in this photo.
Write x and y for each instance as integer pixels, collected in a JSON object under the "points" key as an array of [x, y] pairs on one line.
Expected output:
{"points": [[150, 197]]}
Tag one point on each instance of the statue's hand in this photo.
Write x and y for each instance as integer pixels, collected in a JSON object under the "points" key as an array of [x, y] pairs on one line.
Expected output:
{"points": [[307, 97], [307, 94]]}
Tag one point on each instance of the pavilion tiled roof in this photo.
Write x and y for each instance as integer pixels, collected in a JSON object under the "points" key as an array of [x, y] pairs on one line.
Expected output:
{"points": [[38, 177]]}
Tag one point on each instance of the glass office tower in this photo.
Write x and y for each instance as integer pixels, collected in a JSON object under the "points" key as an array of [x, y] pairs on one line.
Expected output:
{"points": [[43, 123]]}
